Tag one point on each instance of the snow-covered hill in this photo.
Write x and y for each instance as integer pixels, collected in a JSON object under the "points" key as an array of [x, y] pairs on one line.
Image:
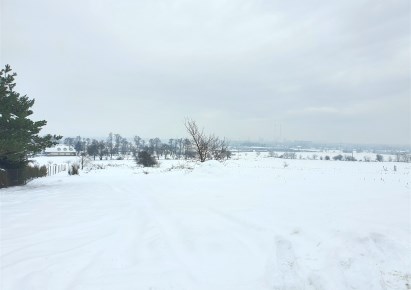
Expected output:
{"points": [[250, 223]]}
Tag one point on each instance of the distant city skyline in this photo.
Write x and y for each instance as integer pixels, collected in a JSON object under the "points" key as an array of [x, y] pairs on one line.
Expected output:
{"points": [[335, 72]]}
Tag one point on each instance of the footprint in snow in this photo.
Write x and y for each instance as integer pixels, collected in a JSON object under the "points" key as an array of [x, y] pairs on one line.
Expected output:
{"points": [[285, 267]]}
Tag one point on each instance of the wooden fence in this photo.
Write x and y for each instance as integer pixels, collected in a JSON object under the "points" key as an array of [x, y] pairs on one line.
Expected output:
{"points": [[55, 168]]}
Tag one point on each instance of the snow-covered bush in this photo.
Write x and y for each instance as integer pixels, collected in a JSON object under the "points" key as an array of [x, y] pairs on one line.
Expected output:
{"points": [[349, 158], [74, 169], [402, 157], [181, 166], [94, 166], [272, 154], [31, 172], [289, 155], [146, 159], [379, 158]]}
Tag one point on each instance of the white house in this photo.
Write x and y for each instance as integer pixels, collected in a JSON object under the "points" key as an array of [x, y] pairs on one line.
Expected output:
{"points": [[60, 150]]}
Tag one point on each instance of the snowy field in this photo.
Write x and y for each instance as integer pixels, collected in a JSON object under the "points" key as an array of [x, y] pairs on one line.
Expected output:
{"points": [[249, 223]]}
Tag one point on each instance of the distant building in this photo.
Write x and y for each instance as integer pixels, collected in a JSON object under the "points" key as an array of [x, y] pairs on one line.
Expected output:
{"points": [[60, 150]]}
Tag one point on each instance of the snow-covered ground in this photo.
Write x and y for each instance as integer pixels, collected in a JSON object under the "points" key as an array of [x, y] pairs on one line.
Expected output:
{"points": [[249, 223]]}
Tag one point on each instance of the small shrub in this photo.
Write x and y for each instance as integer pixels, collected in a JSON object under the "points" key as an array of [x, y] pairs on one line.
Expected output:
{"points": [[402, 157], [99, 166], [349, 158], [31, 172], [289, 155], [273, 154], [146, 159], [327, 157], [338, 157], [93, 166], [221, 154], [180, 166], [379, 158], [74, 169]]}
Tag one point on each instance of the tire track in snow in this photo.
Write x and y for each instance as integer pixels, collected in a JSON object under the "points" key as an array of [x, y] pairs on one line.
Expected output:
{"points": [[253, 239], [161, 231], [284, 269], [288, 269], [246, 238]]}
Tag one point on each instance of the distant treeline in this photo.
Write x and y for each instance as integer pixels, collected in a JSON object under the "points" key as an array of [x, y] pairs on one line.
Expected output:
{"points": [[117, 146]]}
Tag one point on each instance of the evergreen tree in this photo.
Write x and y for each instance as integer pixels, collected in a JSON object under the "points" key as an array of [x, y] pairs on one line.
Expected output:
{"points": [[18, 134]]}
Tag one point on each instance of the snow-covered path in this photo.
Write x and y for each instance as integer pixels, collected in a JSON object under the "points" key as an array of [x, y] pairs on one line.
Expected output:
{"points": [[243, 225]]}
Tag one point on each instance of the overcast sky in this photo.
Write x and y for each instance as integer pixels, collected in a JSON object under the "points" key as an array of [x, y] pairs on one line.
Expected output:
{"points": [[336, 71]]}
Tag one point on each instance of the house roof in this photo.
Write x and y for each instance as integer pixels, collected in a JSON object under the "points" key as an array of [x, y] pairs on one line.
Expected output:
{"points": [[59, 148]]}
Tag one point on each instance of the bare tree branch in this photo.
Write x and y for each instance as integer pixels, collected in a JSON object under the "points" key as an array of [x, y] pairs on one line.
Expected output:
{"points": [[206, 147]]}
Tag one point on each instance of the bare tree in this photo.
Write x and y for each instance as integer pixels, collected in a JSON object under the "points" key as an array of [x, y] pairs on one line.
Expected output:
{"points": [[187, 148], [117, 143], [206, 146], [110, 144], [219, 149], [137, 143], [124, 146], [200, 140], [102, 149], [92, 149]]}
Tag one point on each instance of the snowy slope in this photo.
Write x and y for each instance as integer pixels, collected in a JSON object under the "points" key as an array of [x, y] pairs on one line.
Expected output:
{"points": [[246, 224]]}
